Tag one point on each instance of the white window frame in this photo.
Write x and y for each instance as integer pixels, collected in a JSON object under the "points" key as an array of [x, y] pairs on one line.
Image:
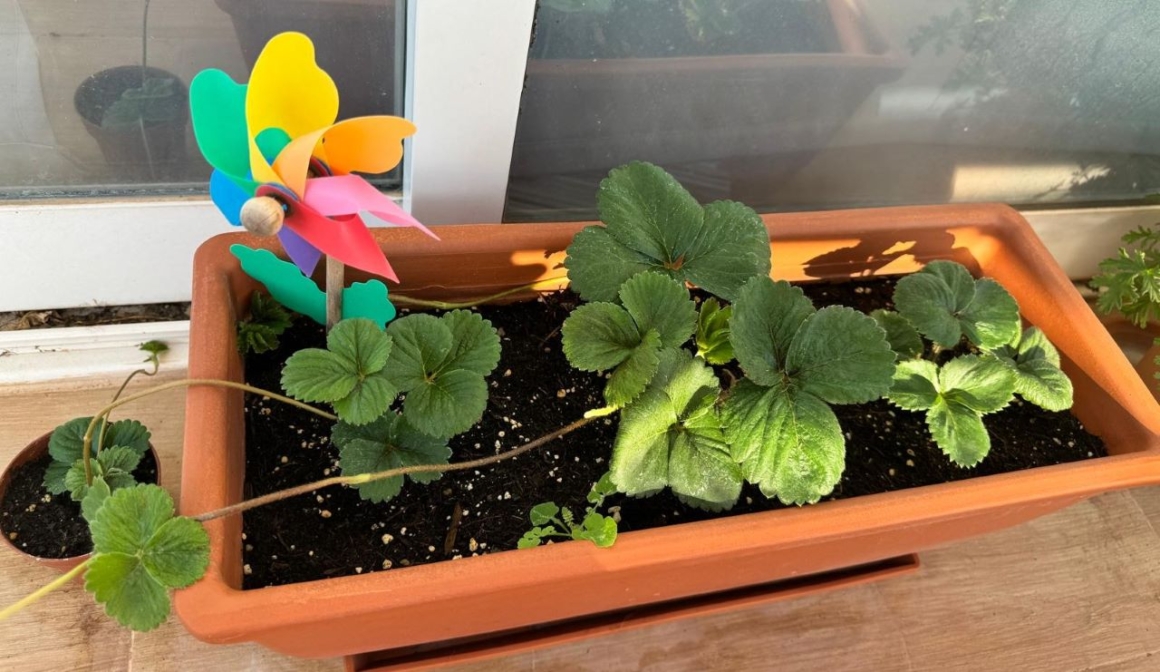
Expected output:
{"points": [[464, 75]]}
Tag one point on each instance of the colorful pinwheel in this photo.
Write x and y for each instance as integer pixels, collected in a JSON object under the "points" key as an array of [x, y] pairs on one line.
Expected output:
{"points": [[276, 137]]}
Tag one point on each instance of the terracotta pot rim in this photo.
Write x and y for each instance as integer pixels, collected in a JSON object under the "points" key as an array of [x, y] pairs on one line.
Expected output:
{"points": [[216, 611], [33, 451]]}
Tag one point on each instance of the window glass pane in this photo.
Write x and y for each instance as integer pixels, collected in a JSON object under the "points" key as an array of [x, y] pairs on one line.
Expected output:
{"points": [[68, 120], [812, 104]]}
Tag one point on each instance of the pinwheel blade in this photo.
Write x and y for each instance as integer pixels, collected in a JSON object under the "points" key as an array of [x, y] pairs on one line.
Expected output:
{"points": [[343, 195], [287, 90]]}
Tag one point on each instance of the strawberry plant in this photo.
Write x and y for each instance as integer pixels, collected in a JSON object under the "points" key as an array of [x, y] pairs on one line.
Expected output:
{"points": [[945, 303]]}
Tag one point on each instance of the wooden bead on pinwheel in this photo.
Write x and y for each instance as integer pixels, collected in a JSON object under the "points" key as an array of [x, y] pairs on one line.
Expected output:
{"points": [[262, 216]]}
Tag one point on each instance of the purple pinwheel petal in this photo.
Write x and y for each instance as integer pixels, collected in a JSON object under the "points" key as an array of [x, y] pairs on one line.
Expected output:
{"points": [[304, 255]]}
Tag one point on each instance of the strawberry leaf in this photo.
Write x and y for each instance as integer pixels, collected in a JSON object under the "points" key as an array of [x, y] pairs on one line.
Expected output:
{"points": [[653, 223]]}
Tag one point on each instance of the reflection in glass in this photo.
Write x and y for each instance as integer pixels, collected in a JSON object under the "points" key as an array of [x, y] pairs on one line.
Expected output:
{"points": [[813, 104], [96, 101]]}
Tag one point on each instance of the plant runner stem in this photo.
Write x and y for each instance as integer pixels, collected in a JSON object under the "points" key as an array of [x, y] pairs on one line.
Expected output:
{"points": [[88, 440], [359, 479], [449, 305], [44, 590]]}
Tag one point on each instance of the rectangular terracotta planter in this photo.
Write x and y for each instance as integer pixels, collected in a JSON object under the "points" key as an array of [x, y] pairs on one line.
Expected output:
{"points": [[503, 591]]}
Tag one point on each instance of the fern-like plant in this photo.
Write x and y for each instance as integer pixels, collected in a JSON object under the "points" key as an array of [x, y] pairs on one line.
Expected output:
{"points": [[1130, 281]]}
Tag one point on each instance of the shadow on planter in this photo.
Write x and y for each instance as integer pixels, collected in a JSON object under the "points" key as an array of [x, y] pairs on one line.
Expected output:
{"points": [[138, 119]]}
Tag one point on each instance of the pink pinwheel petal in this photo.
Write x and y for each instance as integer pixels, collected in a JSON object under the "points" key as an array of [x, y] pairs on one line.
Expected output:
{"points": [[343, 195]]}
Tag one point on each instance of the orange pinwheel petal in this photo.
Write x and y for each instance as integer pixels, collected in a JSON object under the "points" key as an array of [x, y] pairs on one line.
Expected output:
{"points": [[362, 144]]}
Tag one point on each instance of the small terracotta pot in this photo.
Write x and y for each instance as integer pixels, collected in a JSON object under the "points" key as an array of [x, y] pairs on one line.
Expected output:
{"points": [[32, 452], [477, 596]]}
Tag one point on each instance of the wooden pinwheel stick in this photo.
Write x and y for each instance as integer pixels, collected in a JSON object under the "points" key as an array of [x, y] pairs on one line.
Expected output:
{"points": [[263, 216]]}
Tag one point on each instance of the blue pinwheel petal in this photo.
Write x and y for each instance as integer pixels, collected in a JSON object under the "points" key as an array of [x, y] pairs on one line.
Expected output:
{"points": [[227, 196]]}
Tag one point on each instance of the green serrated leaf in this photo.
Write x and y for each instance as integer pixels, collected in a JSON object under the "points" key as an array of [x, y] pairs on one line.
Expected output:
{"points": [[788, 443], [651, 222], [944, 302], [841, 356], [129, 519], [630, 378], [1044, 384], [451, 403], [542, 514], [54, 477], [530, 539], [671, 436], [982, 384], [98, 492], [139, 552], [390, 442], [313, 374], [476, 345], [422, 343], [900, 333], [132, 597], [264, 310], [658, 302], [928, 304], [361, 343], [915, 385], [992, 318], [1039, 379], [349, 374], [599, 336], [129, 434], [178, 553], [713, 335], [66, 445], [601, 489], [600, 264], [766, 315], [959, 432], [566, 514], [369, 399], [600, 530]]}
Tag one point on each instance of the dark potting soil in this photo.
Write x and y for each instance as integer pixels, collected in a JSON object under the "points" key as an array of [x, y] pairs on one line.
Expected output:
{"points": [[51, 526], [331, 532]]}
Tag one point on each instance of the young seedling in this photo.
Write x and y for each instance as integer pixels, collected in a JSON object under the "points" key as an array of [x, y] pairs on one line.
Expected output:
{"points": [[549, 520], [657, 313], [127, 441], [267, 321], [797, 361], [652, 223], [955, 398], [944, 303]]}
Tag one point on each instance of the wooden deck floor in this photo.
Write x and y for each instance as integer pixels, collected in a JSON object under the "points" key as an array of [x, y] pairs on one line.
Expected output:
{"points": [[1078, 590]]}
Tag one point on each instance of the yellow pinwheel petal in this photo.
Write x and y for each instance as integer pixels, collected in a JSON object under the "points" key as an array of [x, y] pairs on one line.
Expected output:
{"points": [[363, 144], [287, 90]]}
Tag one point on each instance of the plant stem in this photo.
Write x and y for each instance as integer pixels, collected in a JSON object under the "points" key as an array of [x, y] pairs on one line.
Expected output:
{"points": [[88, 440], [448, 305], [44, 590], [146, 372], [359, 479]]}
